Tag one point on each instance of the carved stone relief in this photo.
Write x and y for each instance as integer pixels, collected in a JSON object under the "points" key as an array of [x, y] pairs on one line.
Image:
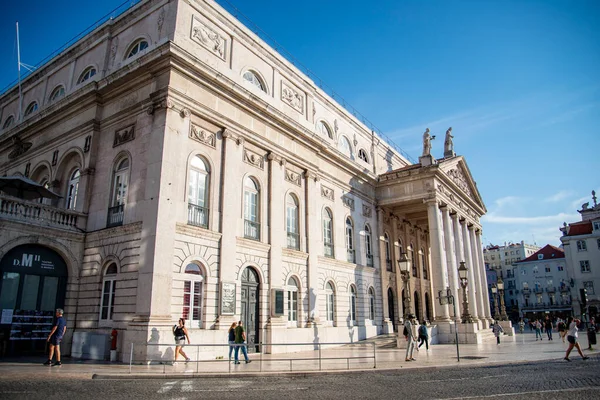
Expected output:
{"points": [[200, 135], [208, 38], [124, 135], [293, 177], [326, 192], [253, 158], [348, 202], [367, 211], [459, 179], [113, 49], [293, 97], [160, 21], [20, 147]]}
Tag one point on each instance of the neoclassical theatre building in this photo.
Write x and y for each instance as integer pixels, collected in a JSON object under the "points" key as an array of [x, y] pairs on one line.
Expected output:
{"points": [[202, 176]]}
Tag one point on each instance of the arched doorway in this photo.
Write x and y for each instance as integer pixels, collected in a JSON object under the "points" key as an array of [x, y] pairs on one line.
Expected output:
{"points": [[417, 307], [250, 307], [392, 308], [427, 307], [33, 285]]}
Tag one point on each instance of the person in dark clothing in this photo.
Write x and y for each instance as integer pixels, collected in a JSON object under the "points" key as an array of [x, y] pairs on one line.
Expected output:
{"points": [[548, 327], [423, 336], [181, 334], [55, 337], [240, 339], [231, 338]]}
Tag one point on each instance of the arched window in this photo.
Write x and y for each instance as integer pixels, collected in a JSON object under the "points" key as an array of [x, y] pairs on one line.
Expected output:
{"points": [[9, 121], [86, 74], [253, 78], [423, 263], [344, 146], [31, 108], [292, 302], [352, 305], [118, 193], [388, 253], [108, 293], [72, 188], [251, 207], [291, 222], [350, 240], [329, 301], [137, 47], [198, 192], [193, 290], [57, 93], [362, 155], [328, 233], [368, 246], [414, 261], [371, 304], [324, 129]]}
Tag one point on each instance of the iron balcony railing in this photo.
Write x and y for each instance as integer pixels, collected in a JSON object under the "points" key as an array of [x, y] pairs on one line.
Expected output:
{"points": [[115, 216], [197, 215], [551, 289], [350, 255], [328, 249], [538, 290], [293, 241], [526, 291], [251, 230], [369, 260]]}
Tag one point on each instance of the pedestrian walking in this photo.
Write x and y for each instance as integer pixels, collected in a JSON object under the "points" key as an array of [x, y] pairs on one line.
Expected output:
{"points": [[409, 333], [181, 334], [240, 339], [497, 329], [521, 326], [572, 338], [562, 329], [538, 329], [548, 327], [423, 336], [55, 337], [591, 333], [231, 339]]}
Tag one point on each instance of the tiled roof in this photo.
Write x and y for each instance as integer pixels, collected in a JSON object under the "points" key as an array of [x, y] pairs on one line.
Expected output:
{"points": [[548, 251], [579, 228]]}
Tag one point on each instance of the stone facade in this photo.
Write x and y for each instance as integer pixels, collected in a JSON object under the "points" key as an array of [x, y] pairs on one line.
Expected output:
{"points": [[190, 165]]}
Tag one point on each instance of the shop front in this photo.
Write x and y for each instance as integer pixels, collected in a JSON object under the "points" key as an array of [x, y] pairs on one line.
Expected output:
{"points": [[33, 285]]}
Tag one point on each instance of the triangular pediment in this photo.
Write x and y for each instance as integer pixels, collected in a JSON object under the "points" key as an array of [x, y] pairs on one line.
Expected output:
{"points": [[456, 170]]}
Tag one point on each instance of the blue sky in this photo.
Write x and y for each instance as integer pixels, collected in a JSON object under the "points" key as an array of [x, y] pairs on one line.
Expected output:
{"points": [[519, 82]]}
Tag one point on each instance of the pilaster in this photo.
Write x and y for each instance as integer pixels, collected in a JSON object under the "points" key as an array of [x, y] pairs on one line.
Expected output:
{"points": [[313, 242]]}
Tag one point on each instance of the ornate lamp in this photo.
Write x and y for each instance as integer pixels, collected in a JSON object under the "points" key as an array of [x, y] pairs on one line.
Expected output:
{"points": [[464, 281], [404, 267]]}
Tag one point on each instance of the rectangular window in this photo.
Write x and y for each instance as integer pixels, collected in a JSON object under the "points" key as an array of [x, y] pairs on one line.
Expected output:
{"points": [[329, 310], [108, 299], [10, 287], [585, 265], [596, 225], [192, 301], [292, 306], [581, 245], [547, 269], [29, 296], [560, 268], [589, 286]]}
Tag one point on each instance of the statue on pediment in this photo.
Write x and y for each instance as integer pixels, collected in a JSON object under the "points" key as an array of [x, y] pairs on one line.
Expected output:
{"points": [[449, 144], [427, 138]]}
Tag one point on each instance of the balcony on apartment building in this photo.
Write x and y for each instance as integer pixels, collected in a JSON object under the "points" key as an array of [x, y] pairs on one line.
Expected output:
{"points": [[42, 215]]}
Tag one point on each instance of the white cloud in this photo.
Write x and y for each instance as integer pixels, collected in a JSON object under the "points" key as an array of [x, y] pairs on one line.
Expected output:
{"points": [[543, 219], [563, 194], [508, 200]]}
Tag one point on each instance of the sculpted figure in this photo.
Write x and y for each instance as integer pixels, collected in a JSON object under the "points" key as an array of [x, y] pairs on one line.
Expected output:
{"points": [[448, 144], [427, 138]]}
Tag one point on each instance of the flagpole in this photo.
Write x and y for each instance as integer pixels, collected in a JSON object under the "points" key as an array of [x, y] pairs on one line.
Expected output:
{"points": [[19, 73]]}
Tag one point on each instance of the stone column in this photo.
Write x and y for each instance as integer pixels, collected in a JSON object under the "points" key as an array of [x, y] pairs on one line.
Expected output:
{"points": [[469, 263], [313, 242], [458, 257], [486, 298], [451, 259], [438, 259], [277, 238], [231, 198], [477, 274], [399, 283], [384, 273]]}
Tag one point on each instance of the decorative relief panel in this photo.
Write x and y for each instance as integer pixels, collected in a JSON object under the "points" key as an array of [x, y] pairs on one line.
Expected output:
{"points": [[20, 147], [293, 97], [253, 158], [367, 211], [208, 38], [200, 135], [293, 177], [124, 135], [326, 192], [459, 179], [348, 202]]}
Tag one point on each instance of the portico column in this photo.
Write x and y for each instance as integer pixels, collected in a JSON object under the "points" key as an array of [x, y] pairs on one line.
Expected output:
{"points": [[399, 282], [313, 243], [471, 266], [450, 257], [486, 298], [477, 272], [385, 274], [458, 257], [438, 259]]}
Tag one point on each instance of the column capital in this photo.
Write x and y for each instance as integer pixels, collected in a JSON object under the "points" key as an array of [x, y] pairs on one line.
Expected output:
{"points": [[228, 134], [272, 156], [308, 174]]}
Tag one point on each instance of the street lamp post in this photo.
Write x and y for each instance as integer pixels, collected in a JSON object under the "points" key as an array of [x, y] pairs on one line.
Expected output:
{"points": [[404, 267], [449, 299], [503, 316], [495, 296], [464, 281]]}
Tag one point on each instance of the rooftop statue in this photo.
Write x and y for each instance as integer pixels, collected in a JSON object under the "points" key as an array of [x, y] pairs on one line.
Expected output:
{"points": [[427, 138]]}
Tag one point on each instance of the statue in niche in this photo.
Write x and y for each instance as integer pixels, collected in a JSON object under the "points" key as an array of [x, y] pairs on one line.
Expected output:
{"points": [[449, 144], [427, 138]]}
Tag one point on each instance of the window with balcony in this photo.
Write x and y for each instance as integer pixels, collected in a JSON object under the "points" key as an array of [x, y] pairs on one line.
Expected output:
{"points": [[251, 209], [118, 199], [291, 222], [585, 266], [350, 240], [328, 233], [329, 302], [292, 303], [368, 246], [107, 305], [198, 190], [388, 253], [371, 304], [581, 245], [72, 189], [589, 286], [193, 294]]}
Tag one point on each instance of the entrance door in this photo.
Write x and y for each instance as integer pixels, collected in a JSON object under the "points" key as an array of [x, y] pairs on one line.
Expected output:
{"points": [[250, 307], [392, 308], [33, 285]]}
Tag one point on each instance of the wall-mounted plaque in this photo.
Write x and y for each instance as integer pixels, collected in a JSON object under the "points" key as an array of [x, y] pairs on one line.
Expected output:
{"points": [[227, 298], [278, 302]]}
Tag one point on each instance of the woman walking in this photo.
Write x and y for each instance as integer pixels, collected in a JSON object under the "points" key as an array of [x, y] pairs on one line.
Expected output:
{"points": [[231, 338], [181, 334], [497, 329], [572, 338]]}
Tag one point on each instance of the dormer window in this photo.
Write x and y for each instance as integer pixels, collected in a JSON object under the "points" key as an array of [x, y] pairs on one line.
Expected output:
{"points": [[596, 225], [540, 256]]}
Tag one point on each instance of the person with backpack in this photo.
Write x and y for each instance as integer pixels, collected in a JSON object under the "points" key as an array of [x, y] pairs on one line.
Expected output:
{"points": [[562, 329], [409, 333], [423, 336]]}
